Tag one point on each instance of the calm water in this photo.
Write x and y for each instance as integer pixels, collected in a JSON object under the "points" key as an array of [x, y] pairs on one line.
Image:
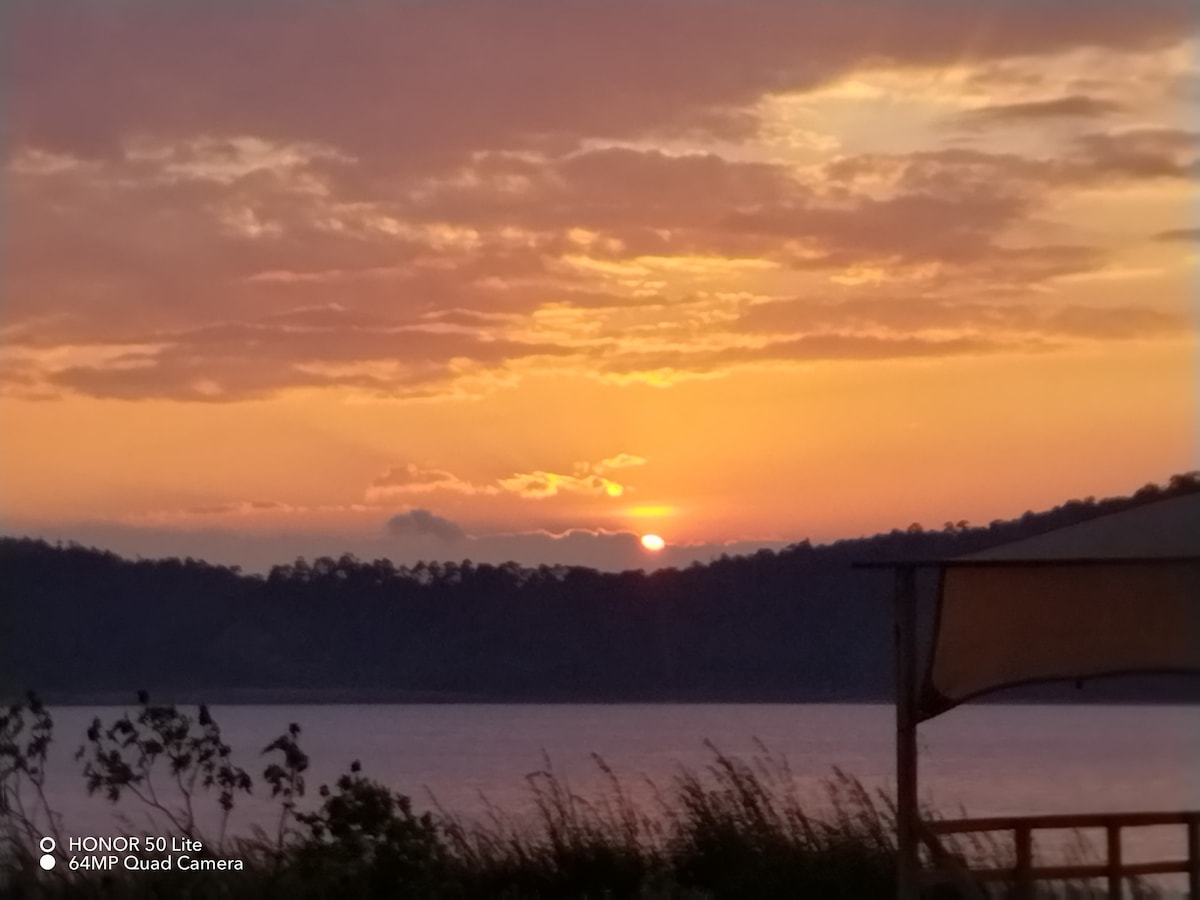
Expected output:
{"points": [[986, 759]]}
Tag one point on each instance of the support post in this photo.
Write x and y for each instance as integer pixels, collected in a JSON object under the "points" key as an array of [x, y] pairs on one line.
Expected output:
{"points": [[908, 864], [1023, 841], [1193, 840], [1115, 863]]}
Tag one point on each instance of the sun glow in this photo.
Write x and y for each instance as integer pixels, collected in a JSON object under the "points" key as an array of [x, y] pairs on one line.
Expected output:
{"points": [[653, 542], [650, 511]]}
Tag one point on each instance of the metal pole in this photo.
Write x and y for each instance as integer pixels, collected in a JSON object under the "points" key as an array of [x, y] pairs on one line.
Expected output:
{"points": [[908, 864]]}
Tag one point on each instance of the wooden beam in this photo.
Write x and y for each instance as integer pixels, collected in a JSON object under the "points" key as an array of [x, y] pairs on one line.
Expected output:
{"points": [[1063, 820], [1077, 871], [1114, 869], [960, 562]]}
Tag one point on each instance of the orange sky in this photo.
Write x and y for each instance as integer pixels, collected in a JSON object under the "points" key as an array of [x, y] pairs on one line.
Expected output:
{"points": [[529, 279]]}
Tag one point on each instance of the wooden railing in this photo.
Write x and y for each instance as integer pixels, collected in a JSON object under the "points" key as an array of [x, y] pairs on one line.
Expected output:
{"points": [[1114, 869]]}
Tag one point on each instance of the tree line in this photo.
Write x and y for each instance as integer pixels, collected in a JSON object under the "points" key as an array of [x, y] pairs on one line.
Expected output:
{"points": [[793, 624]]}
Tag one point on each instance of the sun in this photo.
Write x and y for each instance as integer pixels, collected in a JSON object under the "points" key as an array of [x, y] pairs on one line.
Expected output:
{"points": [[653, 542]]}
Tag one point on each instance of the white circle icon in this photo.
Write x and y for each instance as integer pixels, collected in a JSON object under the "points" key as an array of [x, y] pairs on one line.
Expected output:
{"points": [[47, 862], [47, 844]]}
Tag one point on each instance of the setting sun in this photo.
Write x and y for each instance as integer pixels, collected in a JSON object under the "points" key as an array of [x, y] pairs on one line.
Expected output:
{"points": [[653, 542]]}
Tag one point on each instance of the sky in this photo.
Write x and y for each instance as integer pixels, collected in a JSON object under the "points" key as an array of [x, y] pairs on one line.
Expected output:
{"points": [[528, 280]]}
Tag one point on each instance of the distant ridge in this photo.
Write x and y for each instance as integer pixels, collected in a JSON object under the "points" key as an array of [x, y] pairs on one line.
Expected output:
{"points": [[83, 625]]}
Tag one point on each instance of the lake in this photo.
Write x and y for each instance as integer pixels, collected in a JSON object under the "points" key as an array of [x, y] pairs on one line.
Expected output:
{"points": [[987, 759]]}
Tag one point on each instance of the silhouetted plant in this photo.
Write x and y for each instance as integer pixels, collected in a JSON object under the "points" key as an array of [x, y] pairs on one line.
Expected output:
{"points": [[26, 733], [744, 830], [738, 828], [286, 779], [573, 847], [167, 760], [365, 840]]}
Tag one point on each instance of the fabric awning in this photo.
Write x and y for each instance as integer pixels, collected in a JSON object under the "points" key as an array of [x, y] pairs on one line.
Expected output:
{"points": [[1117, 594]]}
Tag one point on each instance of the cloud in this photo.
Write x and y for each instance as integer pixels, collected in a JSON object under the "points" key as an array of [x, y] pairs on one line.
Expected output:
{"points": [[530, 76], [244, 360], [540, 485], [1150, 153], [1074, 106], [588, 479], [243, 508], [424, 225], [420, 523], [412, 479], [666, 368], [1178, 235], [408, 480], [938, 316], [620, 461], [264, 511], [947, 205], [1091, 159]]}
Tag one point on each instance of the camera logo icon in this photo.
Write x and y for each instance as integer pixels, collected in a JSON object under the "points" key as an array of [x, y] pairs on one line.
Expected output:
{"points": [[47, 845]]}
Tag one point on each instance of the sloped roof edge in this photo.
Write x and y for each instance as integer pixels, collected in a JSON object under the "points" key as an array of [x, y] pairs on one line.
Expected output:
{"points": [[1168, 529]]}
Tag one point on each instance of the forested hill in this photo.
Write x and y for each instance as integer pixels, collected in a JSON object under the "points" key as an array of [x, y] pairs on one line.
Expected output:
{"points": [[798, 624]]}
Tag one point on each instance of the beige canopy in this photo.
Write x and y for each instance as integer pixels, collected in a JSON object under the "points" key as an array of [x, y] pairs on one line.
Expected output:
{"points": [[1117, 594]]}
